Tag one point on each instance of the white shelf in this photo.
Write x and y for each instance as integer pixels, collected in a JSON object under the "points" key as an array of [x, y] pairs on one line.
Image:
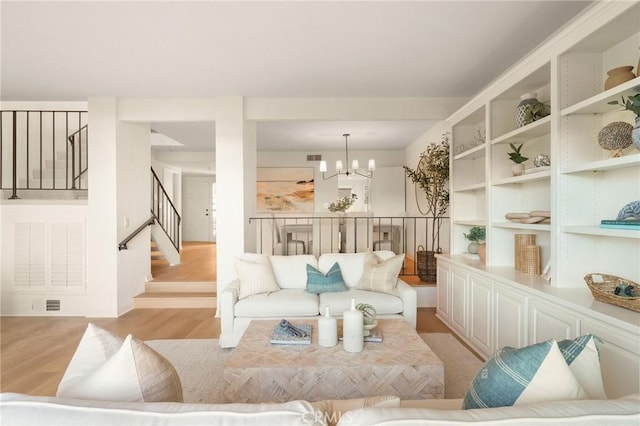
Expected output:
{"points": [[608, 164], [472, 187], [598, 104], [530, 131], [472, 154], [531, 177], [470, 222], [604, 232], [517, 225]]}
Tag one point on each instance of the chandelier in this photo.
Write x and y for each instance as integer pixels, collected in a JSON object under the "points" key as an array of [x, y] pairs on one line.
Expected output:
{"points": [[354, 170]]}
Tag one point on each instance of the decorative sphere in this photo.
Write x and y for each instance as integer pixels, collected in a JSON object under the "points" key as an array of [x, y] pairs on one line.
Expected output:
{"points": [[615, 136], [541, 160]]}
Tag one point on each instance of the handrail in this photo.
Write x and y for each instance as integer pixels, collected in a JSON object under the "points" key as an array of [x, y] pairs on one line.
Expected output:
{"points": [[123, 244], [164, 211], [72, 141]]}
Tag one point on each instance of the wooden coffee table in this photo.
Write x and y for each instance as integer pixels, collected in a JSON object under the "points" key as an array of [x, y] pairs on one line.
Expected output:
{"points": [[401, 365]]}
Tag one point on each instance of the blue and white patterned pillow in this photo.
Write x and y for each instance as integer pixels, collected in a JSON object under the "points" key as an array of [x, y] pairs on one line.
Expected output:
{"points": [[583, 357], [317, 282], [528, 375]]}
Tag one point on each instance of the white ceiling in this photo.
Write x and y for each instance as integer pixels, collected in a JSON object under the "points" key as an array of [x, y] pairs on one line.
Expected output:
{"points": [[67, 51]]}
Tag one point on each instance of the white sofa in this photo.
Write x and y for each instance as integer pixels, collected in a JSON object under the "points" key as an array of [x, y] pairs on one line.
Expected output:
{"points": [[17, 409], [293, 302]]}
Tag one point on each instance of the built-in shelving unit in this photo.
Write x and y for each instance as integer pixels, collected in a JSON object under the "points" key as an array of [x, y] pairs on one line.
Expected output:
{"points": [[492, 305]]}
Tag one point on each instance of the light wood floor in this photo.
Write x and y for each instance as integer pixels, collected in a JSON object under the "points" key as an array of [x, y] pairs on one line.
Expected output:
{"points": [[35, 351], [197, 263]]}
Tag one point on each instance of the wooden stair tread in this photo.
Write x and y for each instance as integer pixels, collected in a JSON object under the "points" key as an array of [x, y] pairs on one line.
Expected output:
{"points": [[180, 287], [176, 295]]}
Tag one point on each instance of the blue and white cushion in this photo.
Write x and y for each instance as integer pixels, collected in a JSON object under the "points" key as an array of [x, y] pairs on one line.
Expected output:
{"points": [[317, 282], [529, 375], [583, 357]]}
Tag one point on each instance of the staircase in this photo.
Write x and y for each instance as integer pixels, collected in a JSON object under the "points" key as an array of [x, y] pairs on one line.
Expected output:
{"points": [[166, 295]]}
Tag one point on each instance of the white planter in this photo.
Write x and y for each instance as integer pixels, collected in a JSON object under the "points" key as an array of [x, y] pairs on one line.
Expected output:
{"points": [[352, 329]]}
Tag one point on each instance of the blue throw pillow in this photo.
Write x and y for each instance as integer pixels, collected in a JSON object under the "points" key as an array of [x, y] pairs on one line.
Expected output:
{"points": [[317, 282], [583, 356], [536, 373]]}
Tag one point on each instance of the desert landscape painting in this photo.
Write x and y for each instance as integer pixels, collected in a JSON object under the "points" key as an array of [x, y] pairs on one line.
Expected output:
{"points": [[285, 190]]}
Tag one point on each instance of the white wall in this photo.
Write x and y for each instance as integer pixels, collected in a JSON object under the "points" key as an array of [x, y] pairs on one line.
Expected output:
{"points": [[133, 157]]}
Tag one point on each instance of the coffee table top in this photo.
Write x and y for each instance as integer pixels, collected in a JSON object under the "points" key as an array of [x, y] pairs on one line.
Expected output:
{"points": [[401, 345]]}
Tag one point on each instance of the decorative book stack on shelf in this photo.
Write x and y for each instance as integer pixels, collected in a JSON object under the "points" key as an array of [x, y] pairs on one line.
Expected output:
{"points": [[633, 224]]}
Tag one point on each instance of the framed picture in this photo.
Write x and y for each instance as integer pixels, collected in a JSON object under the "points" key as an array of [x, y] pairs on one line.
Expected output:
{"points": [[284, 190]]}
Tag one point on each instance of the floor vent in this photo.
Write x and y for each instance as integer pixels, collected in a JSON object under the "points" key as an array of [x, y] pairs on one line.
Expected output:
{"points": [[314, 157], [53, 305]]}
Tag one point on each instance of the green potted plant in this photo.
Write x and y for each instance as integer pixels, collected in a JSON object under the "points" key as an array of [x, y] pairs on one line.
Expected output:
{"points": [[368, 313], [632, 103], [432, 177], [476, 235], [518, 159]]}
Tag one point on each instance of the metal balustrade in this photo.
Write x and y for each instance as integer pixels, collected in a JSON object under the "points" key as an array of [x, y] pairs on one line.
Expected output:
{"points": [[43, 150], [351, 233]]}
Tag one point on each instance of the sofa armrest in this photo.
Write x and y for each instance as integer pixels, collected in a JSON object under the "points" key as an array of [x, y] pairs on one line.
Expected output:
{"points": [[228, 300], [409, 297]]}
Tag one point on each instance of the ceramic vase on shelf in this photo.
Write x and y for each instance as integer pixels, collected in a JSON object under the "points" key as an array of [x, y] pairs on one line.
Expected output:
{"points": [[635, 133], [618, 76], [525, 100], [327, 330], [473, 247], [352, 329], [482, 252], [517, 169]]}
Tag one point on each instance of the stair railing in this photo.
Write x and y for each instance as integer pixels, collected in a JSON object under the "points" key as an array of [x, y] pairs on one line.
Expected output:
{"points": [[122, 245], [164, 211], [40, 150]]}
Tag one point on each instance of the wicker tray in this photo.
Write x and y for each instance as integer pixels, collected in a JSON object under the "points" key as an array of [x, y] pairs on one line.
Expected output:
{"points": [[603, 290]]}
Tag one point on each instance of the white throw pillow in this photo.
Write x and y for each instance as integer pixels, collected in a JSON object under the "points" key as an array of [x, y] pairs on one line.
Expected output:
{"points": [[95, 348], [583, 356], [528, 375], [256, 276], [381, 275], [136, 373]]}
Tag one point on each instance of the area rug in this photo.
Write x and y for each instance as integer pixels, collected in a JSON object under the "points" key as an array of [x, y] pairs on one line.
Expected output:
{"points": [[199, 363]]}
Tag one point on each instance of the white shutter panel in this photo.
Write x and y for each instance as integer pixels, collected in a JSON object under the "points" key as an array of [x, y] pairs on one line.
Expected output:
{"points": [[29, 259], [67, 254]]}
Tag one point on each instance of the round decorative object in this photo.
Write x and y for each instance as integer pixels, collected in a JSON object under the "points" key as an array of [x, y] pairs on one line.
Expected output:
{"points": [[618, 76], [526, 99], [541, 160], [366, 329], [635, 133], [615, 137], [517, 169]]}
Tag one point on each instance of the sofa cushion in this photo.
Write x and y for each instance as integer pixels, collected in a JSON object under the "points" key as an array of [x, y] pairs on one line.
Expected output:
{"points": [[291, 271], [583, 356], [351, 265], [317, 282], [383, 303], [135, 373], [95, 348], [380, 275], [281, 304], [255, 275], [332, 410], [529, 375]]}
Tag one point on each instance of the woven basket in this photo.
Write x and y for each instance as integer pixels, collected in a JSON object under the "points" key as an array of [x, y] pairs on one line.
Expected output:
{"points": [[604, 291]]}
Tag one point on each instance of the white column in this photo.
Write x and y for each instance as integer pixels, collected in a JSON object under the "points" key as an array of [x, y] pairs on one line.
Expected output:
{"points": [[235, 183]]}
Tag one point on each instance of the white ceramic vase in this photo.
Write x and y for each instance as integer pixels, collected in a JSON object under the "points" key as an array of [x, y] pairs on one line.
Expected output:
{"points": [[327, 330], [352, 329]]}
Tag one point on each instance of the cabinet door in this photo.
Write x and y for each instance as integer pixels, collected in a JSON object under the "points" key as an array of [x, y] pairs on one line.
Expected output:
{"points": [[443, 290], [546, 322], [480, 313], [510, 311], [458, 313], [618, 358]]}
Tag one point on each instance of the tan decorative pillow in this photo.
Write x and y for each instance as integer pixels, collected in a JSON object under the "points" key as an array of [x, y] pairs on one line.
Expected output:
{"points": [[331, 410], [136, 373], [379, 275], [256, 276]]}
